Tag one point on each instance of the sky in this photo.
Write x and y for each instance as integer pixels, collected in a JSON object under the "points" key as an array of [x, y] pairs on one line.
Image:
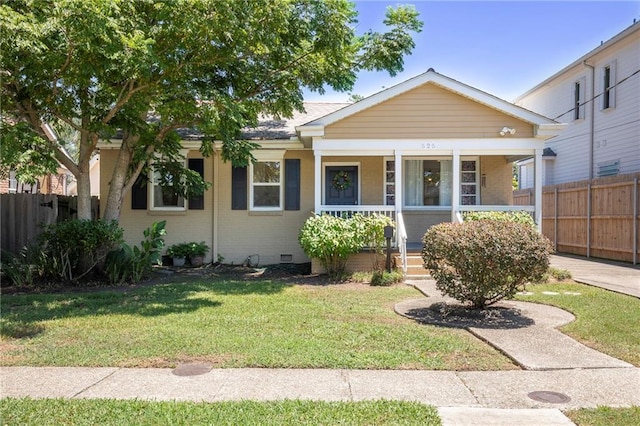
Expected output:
{"points": [[501, 47]]}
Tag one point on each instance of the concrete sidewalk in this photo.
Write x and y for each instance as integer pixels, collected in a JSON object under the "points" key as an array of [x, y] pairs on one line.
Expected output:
{"points": [[461, 393], [615, 276]]}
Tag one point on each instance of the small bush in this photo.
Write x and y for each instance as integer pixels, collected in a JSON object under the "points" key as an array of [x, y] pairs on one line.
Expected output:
{"points": [[559, 274], [73, 249], [371, 229], [384, 278], [480, 262], [331, 240], [25, 268]]}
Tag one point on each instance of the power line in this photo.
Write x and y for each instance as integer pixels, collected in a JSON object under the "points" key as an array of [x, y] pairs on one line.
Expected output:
{"points": [[599, 94]]}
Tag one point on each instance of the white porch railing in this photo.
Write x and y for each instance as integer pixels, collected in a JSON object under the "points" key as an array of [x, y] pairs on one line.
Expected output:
{"points": [[401, 241], [347, 211]]}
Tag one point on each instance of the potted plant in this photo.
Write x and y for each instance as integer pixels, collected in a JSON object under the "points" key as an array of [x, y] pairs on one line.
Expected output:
{"points": [[197, 253], [179, 252]]}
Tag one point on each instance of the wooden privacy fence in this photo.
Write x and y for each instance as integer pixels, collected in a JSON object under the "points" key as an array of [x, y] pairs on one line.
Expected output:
{"points": [[22, 216], [598, 218]]}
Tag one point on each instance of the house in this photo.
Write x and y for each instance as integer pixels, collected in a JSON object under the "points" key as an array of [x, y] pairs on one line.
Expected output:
{"points": [[598, 96], [49, 184], [423, 152]]}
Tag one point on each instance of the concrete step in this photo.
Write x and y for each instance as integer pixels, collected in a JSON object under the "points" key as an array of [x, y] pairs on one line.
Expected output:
{"points": [[415, 266]]}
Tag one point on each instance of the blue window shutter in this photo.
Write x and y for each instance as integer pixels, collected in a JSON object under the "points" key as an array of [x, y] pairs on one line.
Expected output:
{"points": [[292, 184], [139, 193], [238, 188], [196, 202]]}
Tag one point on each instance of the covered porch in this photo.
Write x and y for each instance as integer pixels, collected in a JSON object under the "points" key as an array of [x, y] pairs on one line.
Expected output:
{"points": [[420, 183]]}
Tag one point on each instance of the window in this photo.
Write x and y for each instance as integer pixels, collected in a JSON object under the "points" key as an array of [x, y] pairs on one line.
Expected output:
{"points": [[428, 182], [163, 196], [578, 99], [608, 86], [390, 182], [469, 182], [13, 182], [266, 189]]}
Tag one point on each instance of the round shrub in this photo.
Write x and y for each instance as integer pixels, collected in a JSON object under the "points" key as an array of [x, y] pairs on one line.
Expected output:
{"points": [[480, 262]]}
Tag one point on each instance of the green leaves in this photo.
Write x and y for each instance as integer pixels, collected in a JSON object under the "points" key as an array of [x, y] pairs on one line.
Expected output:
{"points": [[483, 261], [145, 69], [332, 239]]}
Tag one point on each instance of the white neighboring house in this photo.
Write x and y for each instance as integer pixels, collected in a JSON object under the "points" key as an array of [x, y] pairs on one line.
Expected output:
{"points": [[598, 95]]}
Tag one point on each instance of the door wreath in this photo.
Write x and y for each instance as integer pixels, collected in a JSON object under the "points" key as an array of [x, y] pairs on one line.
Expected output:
{"points": [[341, 181]]}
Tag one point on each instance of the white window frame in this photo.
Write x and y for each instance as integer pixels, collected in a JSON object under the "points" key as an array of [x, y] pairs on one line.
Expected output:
{"points": [[579, 110], [404, 184], [612, 86], [13, 182], [152, 185], [476, 183], [387, 183], [267, 156]]}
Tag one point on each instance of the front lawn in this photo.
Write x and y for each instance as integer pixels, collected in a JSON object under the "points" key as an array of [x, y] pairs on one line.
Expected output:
{"points": [[606, 416], [605, 321], [110, 412], [234, 323]]}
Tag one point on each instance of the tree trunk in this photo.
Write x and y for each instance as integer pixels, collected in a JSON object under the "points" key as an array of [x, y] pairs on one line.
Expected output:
{"points": [[121, 181], [117, 192], [84, 195]]}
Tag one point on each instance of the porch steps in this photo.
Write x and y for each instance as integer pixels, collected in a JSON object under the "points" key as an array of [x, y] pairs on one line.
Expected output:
{"points": [[415, 268]]}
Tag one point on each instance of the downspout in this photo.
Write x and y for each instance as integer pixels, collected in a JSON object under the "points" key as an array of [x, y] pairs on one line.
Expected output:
{"points": [[591, 123], [591, 142]]}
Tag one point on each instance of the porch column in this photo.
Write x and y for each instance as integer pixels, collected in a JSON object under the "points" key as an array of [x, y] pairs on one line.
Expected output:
{"points": [[538, 189], [317, 192], [455, 193], [398, 181]]}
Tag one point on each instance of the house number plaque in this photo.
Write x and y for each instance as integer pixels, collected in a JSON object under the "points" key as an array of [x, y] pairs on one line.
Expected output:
{"points": [[429, 145]]}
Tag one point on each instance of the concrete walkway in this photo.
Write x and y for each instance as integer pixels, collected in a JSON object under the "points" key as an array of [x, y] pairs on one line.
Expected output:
{"points": [[615, 276], [560, 374], [526, 332]]}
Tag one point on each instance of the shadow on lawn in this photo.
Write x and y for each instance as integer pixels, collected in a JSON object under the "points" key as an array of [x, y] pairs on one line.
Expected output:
{"points": [[22, 314]]}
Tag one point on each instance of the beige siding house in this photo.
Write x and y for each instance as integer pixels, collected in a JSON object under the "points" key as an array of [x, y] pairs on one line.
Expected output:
{"points": [[422, 152]]}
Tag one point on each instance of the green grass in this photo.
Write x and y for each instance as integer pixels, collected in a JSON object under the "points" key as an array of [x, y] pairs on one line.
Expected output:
{"points": [[606, 416], [111, 412], [605, 321], [234, 324]]}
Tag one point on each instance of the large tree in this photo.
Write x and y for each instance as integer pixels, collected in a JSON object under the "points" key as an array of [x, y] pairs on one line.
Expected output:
{"points": [[139, 70]]}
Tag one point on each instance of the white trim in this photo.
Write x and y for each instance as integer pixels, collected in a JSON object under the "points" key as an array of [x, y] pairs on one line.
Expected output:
{"points": [[455, 190], [280, 185], [318, 180], [537, 184], [384, 179], [151, 193], [478, 193], [613, 81], [428, 147], [338, 164]]}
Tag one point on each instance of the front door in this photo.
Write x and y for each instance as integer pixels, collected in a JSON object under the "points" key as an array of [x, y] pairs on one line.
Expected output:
{"points": [[341, 185]]}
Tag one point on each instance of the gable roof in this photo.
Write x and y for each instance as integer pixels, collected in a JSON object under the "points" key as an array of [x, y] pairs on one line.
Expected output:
{"points": [[544, 126]]}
